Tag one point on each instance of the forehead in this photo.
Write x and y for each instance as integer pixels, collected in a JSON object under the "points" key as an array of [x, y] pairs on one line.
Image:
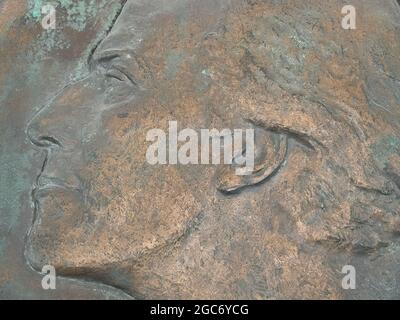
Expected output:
{"points": [[299, 45], [140, 18]]}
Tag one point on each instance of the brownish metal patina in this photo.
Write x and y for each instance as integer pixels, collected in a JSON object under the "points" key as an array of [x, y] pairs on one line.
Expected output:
{"points": [[324, 103]]}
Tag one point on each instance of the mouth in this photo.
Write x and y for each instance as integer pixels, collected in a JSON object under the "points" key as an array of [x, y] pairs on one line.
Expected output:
{"points": [[46, 184], [43, 190]]}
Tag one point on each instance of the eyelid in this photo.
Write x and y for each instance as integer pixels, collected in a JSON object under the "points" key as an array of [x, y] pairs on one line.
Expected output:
{"points": [[110, 67], [111, 60], [114, 73], [120, 69]]}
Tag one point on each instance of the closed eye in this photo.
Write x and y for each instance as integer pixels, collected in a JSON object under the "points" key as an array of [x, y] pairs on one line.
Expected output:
{"points": [[116, 75], [118, 72], [113, 64]]}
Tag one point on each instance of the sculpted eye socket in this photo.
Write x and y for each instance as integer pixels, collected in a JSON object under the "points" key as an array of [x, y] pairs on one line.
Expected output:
{"points": [[120, 74], [113, 64], [116, 74], [115, 79]]}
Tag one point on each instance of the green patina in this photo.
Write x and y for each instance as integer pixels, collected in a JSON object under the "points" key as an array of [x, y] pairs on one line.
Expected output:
{"points": [[77, 12], [12, 181], [174, 60], [76, 15], [36, 8], [385, 148], [17, 160]]}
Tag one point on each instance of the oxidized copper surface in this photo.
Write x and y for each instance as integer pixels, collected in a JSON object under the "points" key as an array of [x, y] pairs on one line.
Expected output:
{"points": [[76, 190]]}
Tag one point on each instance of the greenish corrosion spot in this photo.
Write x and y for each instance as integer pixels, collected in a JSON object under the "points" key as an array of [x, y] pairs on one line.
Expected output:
{"points": [[174, 60], [73, 14], [77, 12], [385, 148], [36, 9]]}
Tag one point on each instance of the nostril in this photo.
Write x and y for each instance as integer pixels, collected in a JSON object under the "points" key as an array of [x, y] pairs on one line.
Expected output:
{"points": [[49, 141], [46, 141], [36, 136], [42, 140]]}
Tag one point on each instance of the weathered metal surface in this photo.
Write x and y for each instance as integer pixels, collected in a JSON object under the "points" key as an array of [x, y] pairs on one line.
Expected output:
{"points": [[77, 103]]}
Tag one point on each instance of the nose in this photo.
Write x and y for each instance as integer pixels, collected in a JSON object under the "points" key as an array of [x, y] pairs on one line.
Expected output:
{"points": [[42, 130], [60, 123]]}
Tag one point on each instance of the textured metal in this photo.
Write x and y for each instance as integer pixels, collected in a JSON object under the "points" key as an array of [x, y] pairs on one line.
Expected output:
{"points": [[76, 191]]}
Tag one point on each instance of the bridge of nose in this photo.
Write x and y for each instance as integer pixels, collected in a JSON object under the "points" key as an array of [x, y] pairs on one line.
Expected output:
{"points": [[64, 120]]}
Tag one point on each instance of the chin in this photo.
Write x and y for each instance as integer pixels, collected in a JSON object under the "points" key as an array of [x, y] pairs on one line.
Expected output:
{"points": [[42, 248], [35, 256]]}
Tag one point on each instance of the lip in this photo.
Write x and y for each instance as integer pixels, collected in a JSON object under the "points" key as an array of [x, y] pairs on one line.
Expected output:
{"points": [[46, 185], [44, 190]]}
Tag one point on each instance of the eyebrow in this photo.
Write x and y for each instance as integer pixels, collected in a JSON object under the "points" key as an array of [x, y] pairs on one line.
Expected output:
{"points": [[107, 55]]}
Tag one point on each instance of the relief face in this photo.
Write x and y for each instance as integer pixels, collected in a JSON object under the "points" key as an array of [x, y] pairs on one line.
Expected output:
{"points": [[324, 192]]}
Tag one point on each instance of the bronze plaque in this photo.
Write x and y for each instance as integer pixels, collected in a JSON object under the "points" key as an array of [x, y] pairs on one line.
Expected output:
{"points": [[199, 149]]}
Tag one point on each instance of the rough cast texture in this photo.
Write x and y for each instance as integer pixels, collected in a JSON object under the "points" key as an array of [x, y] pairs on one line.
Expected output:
{"points": [[324, 103]]}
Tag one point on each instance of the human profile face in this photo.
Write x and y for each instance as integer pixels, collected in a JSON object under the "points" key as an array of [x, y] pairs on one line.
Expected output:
{"points": [[97, 199], [99, 202]]}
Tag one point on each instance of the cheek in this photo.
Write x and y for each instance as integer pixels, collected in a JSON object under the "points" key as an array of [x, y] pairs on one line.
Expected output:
{"points": [[140, 210], [136, 206]]}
